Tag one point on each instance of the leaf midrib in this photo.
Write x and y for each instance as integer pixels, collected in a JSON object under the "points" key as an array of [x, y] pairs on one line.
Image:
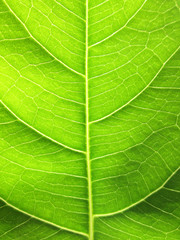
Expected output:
{"points": [[88, 161]]}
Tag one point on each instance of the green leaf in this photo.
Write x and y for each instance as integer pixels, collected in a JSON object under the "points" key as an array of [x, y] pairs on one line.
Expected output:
{"points": [[89, 119]]}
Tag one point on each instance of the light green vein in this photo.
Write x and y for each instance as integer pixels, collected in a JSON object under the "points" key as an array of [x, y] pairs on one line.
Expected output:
{"points": [[73, 70], [42, 220], [111, 35], [42, 134], [141, 200], [91, 217], [136, 96]]}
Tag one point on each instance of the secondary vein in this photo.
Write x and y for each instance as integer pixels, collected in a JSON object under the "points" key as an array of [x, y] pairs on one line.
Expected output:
{"points": [[37, 131], [42, 46]]}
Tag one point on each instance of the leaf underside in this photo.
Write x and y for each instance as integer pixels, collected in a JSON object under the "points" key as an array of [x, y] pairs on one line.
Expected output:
{"points": [[89, 119]]}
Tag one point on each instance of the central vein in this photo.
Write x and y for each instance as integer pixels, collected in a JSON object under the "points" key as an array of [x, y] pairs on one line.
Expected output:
{"points": [[91, 219]]}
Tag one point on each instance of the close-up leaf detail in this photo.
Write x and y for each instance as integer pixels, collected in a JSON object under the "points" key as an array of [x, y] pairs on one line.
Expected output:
{"points": [[89, 119]]}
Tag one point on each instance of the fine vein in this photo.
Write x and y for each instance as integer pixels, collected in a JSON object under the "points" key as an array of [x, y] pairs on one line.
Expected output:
{"points": [[91, 219]]}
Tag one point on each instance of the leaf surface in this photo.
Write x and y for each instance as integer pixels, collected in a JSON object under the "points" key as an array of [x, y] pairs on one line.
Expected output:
{"points": [[89, 119]]}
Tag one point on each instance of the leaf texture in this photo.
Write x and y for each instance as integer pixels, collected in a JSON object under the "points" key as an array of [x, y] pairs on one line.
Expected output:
{"points": [[89, 119]]}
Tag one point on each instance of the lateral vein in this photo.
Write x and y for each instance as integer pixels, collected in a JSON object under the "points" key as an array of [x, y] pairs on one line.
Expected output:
{"points": [[136, 96], [40, 133], [43, 220], [43, 47], [140, 201]]}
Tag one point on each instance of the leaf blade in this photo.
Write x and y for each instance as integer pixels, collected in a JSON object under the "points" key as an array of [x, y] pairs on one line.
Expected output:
{"points": [[77, 102]]}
